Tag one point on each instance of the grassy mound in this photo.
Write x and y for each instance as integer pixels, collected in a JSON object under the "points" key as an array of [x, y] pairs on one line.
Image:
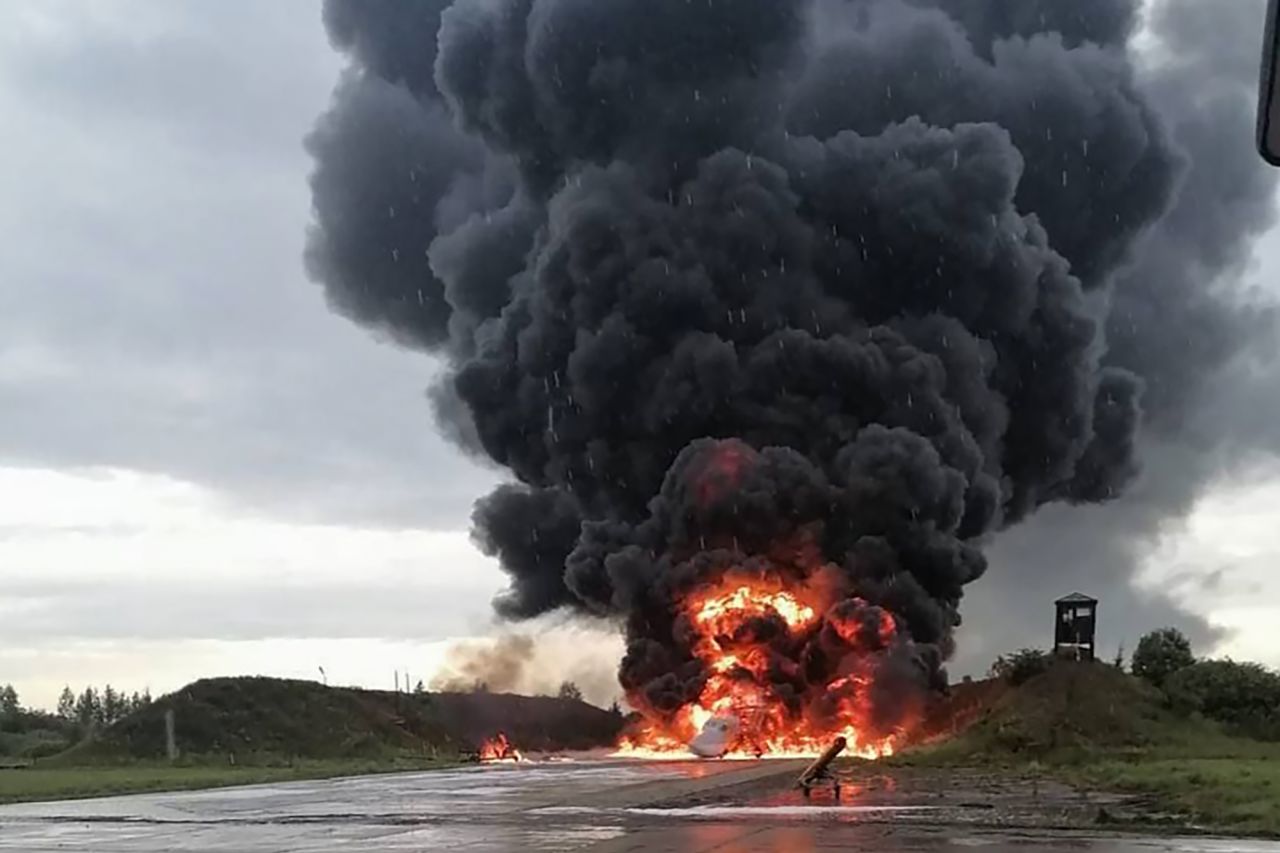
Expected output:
{"points": [[1075, 710], [26, 736], [256, 719], [534, 723], [1094, 727], [955, 713]]}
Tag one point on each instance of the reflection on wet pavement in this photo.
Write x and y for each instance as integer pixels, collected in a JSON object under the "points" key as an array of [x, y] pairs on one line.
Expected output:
{"points": [[601, 807], [736, 838], [477, 809]]}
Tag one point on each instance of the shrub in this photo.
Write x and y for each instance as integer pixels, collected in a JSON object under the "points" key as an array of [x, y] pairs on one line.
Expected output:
{"points": [[1160, 654], [1243, 696], [1021, 666]]}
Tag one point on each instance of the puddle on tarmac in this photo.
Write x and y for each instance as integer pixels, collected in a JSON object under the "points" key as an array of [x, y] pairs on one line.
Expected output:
{"points": [[727, 811], [778, 811]]}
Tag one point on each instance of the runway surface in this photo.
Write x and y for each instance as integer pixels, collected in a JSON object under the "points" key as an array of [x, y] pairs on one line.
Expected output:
{"points": [[599, 807]]}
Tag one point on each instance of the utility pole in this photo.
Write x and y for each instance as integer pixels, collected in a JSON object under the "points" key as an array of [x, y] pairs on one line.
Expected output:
{"points": [[170, 736]]}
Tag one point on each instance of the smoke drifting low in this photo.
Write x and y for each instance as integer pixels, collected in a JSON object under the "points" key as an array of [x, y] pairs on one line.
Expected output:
{"points": [[517, 663], [479, 665], [790, 289]]}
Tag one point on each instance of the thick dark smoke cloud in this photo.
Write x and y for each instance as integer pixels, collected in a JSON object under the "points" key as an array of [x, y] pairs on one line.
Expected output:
{"points": [[897, 263], [659, 84], [1096, 166], [388, 163], [1189, 319], [394, 40]]}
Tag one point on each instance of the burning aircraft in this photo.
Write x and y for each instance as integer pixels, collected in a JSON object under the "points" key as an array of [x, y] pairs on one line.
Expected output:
{"points": [[774, 311]]}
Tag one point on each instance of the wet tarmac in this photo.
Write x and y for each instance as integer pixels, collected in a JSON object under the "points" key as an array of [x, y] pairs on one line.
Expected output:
{"points": [[596, 807]]}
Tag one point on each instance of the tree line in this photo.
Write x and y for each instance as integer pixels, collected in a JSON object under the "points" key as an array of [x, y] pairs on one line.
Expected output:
{"points": [[1243, 695], [94, 708], [28, 733], [90, 708]]}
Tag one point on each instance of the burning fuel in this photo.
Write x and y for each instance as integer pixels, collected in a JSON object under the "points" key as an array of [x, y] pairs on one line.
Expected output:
{"points": [[499, 748], [787, 655], [774, 310]]}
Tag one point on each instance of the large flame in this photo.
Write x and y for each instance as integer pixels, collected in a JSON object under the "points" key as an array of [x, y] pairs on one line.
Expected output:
{"points": [[734, 627]]}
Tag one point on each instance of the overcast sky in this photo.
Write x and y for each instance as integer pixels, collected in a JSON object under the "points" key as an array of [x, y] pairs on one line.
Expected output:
{"points": [[202, 470]]}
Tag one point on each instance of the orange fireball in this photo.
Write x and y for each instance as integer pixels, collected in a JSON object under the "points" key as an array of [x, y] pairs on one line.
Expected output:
{"points": [[735, 627]]}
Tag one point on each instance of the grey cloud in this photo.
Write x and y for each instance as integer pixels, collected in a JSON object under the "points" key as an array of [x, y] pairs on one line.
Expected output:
{"points": [[33, 614], [153, 310], [222, 88]]}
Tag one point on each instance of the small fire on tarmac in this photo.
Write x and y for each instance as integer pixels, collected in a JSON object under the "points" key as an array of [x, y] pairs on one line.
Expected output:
{"points": [[499, 748]]}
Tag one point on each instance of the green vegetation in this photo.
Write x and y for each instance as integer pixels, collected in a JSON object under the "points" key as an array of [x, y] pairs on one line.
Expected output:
{"points": [[259, 720], [27, 735], [1021, 666], [264, 720], [237, 731], [1232, 793], [229, 732], [1245, 697], [1160, 654], [1200, 752], [1070, 713], [40, 783]]}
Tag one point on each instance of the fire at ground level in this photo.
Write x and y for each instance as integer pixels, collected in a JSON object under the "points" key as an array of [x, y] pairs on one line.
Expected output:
{"points": [[787, 663], [600, 807], [736, 735], [748, 699]]}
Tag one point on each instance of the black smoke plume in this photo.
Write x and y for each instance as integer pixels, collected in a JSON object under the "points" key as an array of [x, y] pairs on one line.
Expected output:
{"points": [[863, 252]]}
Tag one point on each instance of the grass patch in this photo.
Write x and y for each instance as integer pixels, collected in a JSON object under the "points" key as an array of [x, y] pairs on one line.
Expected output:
{"points": [[1213, 782], [34, 784], [243, 731], [246, 719], [1097, 728], [1235, 794]]}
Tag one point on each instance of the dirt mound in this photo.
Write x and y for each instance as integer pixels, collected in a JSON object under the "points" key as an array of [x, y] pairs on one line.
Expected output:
{"points": [[1072, 707], [962, 706], [255, 718], [532, 722]]}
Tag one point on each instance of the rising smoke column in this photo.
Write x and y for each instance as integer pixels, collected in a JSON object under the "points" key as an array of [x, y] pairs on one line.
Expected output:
{"points": [[859, 251]]}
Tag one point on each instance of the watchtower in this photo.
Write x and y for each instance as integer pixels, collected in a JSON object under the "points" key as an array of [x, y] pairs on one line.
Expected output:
{"points": [[1074, 627]]}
